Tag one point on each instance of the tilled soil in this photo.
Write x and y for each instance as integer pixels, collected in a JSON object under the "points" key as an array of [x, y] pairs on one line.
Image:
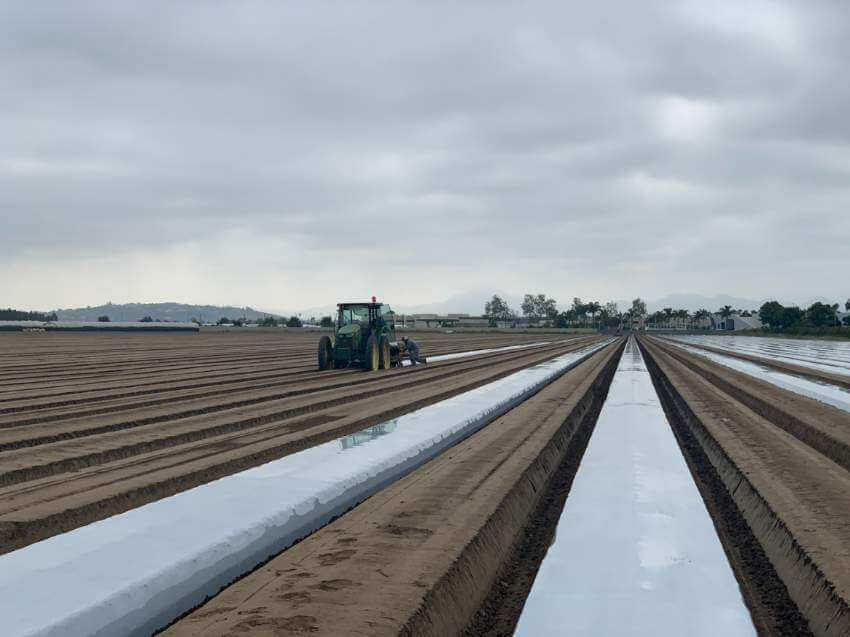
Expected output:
{"points": [[772, 467], [92, 425], [421, 556]]}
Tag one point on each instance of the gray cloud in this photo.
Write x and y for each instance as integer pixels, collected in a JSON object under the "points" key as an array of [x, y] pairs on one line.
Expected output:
{"points": [[283, 155]]}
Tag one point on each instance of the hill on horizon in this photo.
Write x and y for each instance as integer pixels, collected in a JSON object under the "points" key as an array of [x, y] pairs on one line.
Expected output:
{"points": [[168, 311]]}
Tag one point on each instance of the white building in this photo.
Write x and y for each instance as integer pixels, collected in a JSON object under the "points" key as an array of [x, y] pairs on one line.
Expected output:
{"points": [[736, 322]]}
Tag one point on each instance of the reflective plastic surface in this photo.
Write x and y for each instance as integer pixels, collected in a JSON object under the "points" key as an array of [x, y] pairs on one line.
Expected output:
{"points": [[636, 552]]}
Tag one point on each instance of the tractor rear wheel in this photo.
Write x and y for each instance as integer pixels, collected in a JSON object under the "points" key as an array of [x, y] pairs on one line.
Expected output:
{"points": [[372, 357], [326, 353], [386, 359]]}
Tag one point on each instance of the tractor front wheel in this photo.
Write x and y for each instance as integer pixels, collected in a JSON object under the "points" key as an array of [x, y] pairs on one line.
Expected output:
{"points": [[326, 353], [386, 358], [372, 356]]}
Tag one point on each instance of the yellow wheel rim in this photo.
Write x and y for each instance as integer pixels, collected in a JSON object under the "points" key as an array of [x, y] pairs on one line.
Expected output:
{"points": [[386, 355]]}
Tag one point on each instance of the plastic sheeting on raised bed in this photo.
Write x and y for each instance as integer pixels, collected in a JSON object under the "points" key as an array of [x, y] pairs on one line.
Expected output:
{"points": [[818, 390], [635, 550], [477, 352], [827, 356]]}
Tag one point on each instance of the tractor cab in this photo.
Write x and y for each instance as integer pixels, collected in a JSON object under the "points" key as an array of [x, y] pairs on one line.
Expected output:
{"points": [[364, 336]]}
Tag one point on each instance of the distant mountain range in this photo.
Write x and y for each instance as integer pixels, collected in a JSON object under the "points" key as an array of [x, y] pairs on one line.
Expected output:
{"points": [[181, 312]]}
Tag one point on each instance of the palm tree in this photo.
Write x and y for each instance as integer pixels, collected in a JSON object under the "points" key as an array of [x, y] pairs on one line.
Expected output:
{"points": [[701, 314], [668, 312], [593, 307], [604, 316], [725, 311]]}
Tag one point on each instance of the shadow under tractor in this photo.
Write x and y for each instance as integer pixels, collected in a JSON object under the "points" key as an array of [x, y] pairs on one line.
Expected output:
{"points": [[364, 336]]}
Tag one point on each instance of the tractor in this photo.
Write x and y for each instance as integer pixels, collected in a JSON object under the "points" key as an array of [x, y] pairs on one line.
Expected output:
{"points": [[364, 336]]}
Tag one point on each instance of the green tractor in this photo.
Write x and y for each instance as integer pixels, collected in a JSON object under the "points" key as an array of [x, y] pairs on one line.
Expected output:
{"points": [[364, 337]]}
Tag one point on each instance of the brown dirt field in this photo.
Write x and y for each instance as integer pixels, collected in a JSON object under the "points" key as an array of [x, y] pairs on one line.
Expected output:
{"points": [[95, 424], [770, 464], [421, 556], [91, 425]]}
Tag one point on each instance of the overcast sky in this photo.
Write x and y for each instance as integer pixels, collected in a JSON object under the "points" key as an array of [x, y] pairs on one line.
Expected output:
{"points": [[287, 155]]}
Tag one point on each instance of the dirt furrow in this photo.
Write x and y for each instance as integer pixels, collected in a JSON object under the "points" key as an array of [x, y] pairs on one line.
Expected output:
{"points": [[73, 455], [820, 426], [421, 556], [147, 470], [53, 430], [108, 402], [785, 513], [302, 355]]}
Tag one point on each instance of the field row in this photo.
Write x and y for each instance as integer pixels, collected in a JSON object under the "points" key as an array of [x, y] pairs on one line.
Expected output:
{"points": [[109, 450], [774, 469], [456, 544]]}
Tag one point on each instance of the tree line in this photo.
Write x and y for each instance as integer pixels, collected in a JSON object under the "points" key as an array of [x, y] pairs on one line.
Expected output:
{"points": [[778, 317], [19, 315], [542, 310], [269, 321]]}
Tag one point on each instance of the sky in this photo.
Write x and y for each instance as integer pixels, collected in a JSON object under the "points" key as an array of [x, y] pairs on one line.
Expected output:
{"points": [[289, 155]]}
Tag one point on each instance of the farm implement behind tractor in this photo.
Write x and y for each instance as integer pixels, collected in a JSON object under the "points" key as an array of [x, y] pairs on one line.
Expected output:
{"points": [[364, 336]]}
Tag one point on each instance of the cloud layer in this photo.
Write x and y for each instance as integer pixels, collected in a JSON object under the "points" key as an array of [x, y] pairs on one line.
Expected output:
{"points": [[284, 155]]}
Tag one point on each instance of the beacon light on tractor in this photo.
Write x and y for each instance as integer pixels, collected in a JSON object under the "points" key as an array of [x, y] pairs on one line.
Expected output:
{"points": [[364, 336]]}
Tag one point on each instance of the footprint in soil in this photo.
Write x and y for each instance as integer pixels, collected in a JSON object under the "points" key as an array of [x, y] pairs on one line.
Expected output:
{"points": [[407, 531], [346, 540], [412, 513], [296, 598], [280, 625], [335, 584], [215, 611], [335, 557]]}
